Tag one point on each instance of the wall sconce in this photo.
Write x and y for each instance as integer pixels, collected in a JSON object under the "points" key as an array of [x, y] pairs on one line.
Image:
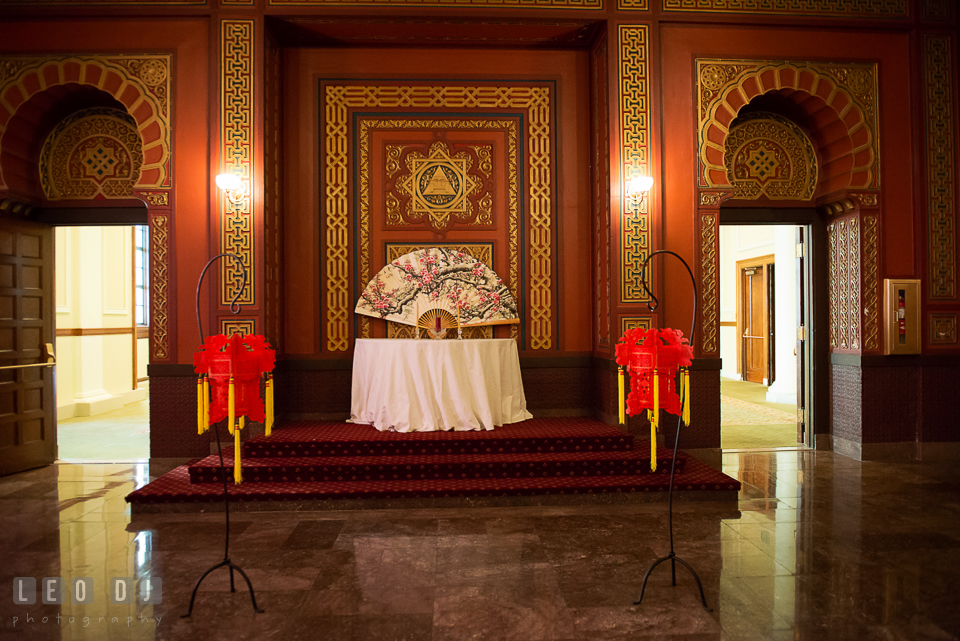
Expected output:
{"points": [[232, 187], [637, 188]]}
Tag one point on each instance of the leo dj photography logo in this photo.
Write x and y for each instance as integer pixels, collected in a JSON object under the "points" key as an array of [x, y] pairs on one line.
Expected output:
{"points": [[53, 590]]}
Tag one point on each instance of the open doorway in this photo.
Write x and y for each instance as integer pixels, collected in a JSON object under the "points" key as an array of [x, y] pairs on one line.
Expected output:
{"points": [[102, 336], [762, 305]]}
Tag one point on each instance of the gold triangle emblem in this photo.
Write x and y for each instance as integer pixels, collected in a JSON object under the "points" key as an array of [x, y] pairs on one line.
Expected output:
{"points": [[439, 185]]}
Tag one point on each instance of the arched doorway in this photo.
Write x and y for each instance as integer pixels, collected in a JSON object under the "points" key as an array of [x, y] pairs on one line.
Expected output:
{"points": [[833, 107], [99, 127]]}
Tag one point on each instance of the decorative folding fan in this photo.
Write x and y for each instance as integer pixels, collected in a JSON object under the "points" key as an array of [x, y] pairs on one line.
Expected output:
{"points": [[438, 285]]}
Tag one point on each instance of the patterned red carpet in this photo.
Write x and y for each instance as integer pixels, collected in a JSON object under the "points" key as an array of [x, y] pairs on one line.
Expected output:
{"points": [[319, 460]]}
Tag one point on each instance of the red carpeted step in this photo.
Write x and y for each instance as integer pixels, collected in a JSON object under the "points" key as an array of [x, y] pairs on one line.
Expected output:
{"points": [[330, 438], [175, 487], [461, 466]]}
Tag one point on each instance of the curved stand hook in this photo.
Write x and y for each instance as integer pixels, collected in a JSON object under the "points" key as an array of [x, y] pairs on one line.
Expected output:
{"points": [[672, 556], [227, 563], [234, 306]]}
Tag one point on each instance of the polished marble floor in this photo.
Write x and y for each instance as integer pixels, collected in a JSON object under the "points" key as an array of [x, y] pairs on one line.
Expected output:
{"points": [[824, 548]]}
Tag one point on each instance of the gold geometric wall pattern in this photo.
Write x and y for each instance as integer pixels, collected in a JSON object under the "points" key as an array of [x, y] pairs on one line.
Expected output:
{"points": [[533, 100], [633, 103], [941, 185], [392, 167], [845, 276], [237, 223], [831, 8], [442, 186], [91, 153], [769, 156], [723, 87], [512, 4]]}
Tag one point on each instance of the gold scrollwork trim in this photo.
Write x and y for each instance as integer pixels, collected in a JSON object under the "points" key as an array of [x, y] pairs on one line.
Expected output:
{"points": [[159, 302], [236, 157], [338, 99], [854, 305], [871, 282], [156, 198], [708, 281], [634, 113], [513, 195], [941, 183], [834, 286]]}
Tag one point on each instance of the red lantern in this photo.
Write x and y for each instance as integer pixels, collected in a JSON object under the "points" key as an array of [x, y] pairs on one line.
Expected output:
{"points": [[229, 384], [654, 357]]}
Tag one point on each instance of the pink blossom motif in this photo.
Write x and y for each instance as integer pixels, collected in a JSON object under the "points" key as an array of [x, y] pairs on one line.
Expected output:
{"points": [[478, 269]]}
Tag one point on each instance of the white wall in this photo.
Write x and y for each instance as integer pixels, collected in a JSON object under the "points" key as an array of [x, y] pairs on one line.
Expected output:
{"points": [[94, 291], [738, 243]]}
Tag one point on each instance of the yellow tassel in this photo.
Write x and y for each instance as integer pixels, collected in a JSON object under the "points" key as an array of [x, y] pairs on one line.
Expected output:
{"points": [[231, 412], [655, 421], [653, 441], [200, 405], [268, 428], [620, 390], [206, 403], [686, 397], [656, 398], [237, 476]]}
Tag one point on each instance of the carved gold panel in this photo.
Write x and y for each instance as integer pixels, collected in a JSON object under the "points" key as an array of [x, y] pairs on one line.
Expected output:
{"points": [[93, 153], [769, 156], [535, 101], [366, 125]]}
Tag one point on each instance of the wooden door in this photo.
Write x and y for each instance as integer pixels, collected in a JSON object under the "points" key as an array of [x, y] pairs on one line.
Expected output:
{"points": [[28, 436], [754, 325]]}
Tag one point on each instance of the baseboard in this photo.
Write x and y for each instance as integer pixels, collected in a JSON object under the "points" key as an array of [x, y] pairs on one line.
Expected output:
{"points": [[846, 447], [938, 451], [562, 413], [823, 442], [160, 466], [101, 404], [315, 416]]}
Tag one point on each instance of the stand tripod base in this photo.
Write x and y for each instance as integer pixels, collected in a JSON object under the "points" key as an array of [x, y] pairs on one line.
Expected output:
{"points": [[673, 558], [232, 566]]}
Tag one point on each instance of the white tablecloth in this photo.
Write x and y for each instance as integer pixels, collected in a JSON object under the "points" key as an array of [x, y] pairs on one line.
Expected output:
{"points": [[411, 385]]}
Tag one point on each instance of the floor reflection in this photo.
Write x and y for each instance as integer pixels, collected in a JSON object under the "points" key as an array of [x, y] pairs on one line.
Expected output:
{"points": [[818, 547]]}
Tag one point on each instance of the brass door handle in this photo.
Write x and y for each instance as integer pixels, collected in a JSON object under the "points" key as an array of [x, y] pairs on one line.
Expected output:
{"points": [[47, 353]]}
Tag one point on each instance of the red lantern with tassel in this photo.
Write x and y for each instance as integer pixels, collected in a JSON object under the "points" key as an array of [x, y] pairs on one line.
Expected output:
{"points": [[654, 358], [231, 368]]}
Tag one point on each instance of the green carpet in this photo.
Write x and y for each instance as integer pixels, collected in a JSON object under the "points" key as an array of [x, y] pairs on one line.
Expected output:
{"points": [[748, 421], [122, 435]]}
